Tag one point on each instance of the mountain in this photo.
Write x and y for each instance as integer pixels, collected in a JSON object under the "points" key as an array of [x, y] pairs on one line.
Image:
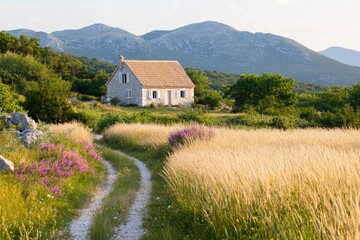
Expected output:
{"points": [[216, 46], [107, 43], [210, 46], [46, 40], [343, 55], [154, 34]]}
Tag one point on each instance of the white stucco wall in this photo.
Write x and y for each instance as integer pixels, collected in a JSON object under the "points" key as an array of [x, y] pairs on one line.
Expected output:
{"points": [[176, 99]]}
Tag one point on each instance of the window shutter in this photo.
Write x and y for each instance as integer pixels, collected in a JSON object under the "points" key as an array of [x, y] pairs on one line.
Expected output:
{"points": [[127, 78], [177, 93], [149, 94], [185, 94], [158, 94]]}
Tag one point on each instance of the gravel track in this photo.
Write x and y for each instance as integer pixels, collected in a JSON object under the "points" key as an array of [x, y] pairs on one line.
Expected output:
{"points": [[133, 229], [80, 227]]}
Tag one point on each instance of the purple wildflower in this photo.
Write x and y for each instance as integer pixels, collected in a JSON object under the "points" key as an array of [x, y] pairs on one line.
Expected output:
{"points": [[54, 167], [189, 134]]}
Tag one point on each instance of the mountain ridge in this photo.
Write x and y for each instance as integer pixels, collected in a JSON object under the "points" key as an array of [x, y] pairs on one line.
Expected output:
{"points": [[344, 55], [209, 46]]}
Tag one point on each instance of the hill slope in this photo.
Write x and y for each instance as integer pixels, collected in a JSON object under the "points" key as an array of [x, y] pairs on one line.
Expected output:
{"points": [[215, 46], [343, 55], [209, 46], [107, 43]]}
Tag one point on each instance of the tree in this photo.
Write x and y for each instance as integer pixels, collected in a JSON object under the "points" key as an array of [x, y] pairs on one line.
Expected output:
{"points": [[212, 99], [23, 45], [202, 92], [201, 82], [45, 93], [354, 96], [95, 87], [49, 101], [332, 98], [65, 65], [18, 70], [6, 40], [9, 102], [266, 93]]}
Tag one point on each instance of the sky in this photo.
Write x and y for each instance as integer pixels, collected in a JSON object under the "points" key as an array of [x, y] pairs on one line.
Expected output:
{"points": [[317, 24]]}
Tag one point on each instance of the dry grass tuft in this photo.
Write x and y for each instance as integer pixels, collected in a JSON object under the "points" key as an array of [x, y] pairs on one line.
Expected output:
{"points": [[271, 183], [143, 134], [74, 131]]}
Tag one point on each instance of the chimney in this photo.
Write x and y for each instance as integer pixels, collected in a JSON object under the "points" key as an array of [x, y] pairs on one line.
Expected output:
{"points": [[122, 58]]}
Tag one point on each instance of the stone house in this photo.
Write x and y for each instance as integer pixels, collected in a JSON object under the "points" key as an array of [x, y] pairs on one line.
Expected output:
{"points": [[143, 82]]}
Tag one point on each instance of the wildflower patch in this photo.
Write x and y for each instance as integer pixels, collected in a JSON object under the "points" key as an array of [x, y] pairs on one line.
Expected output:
{"points": [[56, 165]]}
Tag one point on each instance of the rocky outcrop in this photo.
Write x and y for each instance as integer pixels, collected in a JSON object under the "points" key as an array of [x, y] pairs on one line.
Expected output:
{"points": [[6, 164], [25, 127], [30, 136], [21, 121]]}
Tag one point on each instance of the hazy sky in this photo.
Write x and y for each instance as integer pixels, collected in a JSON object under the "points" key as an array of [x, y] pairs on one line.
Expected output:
{"points": [[317, 24]]}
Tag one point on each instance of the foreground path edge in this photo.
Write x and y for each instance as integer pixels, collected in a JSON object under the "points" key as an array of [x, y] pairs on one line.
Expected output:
{"points": [[133, 228], [80, 227]]}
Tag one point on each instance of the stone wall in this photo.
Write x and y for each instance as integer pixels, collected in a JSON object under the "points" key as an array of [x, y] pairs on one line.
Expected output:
{"points": [[115, 88]]}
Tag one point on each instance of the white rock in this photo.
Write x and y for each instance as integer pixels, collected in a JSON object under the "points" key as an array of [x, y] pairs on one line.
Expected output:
{"points": [[6, 164]]}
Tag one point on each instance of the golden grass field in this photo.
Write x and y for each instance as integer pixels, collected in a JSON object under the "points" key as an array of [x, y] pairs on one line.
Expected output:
{"points": [[265, 184], [271, 183]]}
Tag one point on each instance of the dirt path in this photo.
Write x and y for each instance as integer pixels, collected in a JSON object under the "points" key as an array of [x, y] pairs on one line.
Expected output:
{"points": [[80, 227], [133, 228]]}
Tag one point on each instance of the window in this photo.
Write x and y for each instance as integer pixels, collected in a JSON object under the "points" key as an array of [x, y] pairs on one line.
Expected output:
{"points": [[182, 94], [155, 94], [124, 78], [128, 93]]}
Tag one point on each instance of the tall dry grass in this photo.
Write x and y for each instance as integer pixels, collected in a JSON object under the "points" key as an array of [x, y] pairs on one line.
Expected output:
{"points": [[145, 135], [74, 131], [263, 184]]}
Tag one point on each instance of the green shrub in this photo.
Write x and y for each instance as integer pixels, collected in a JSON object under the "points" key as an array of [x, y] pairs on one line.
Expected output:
{"points": [[152, 105], [250, 120], [310, 114], [9, 102], [115, 101], [212, 99], [87, 118], [282, 122], [84, 97], [106, 121], [197, 115], [329, 120]]}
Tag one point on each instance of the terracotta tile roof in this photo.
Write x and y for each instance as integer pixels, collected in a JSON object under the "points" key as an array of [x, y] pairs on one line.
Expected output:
{"points": [[160, 74]]}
